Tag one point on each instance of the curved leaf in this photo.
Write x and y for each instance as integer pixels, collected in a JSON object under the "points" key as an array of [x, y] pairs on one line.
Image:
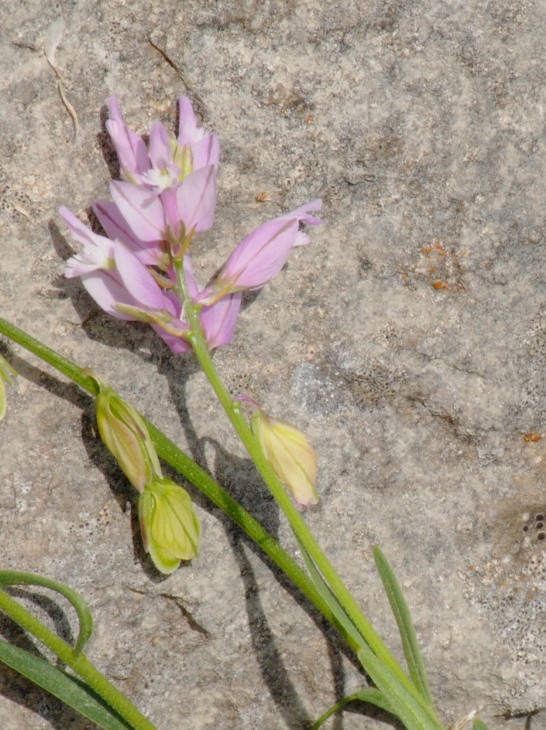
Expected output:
{"points": [[13, 577], [371, 695]]}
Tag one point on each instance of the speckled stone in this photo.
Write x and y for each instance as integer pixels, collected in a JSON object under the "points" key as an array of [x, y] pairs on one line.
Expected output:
{"points": [[408, 340]]}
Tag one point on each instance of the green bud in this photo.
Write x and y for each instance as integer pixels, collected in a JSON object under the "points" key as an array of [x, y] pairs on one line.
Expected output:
{"points": [[168, 523], [125, 435], [290, 455]]}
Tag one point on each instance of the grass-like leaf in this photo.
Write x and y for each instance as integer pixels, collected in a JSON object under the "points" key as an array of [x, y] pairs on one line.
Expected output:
{"points": [[12, 577], [70, 690], [414, 713], [371, 695], [347, 626], [405, 626]]}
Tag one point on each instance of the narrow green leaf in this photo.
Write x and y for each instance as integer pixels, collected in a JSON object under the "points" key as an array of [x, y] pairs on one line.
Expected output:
{"points": [[68, 689], [348, 627], [405, 626], [371, 695], [12, 577], [413, 712], [479, 725]]}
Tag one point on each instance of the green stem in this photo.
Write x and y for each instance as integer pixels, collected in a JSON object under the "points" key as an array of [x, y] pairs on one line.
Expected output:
{"points": [[77, 662], [233, 411], [67, 367], [170, 453], [188, 468]]}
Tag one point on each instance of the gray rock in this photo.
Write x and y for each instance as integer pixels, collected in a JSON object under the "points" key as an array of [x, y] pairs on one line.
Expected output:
{"points": [[408, 340]]}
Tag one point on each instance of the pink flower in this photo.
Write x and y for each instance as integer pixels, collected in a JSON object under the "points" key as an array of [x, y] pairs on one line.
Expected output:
{"points": [[97, 252], [149, 216], [263, 253], [130, 147], [167, 194], [116, 276], [167, 160], [204, 146]]}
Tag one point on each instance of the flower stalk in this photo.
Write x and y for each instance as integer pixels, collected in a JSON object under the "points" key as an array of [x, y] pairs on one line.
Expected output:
{"points": [[179, 460], [197, 340], [141, 271]]}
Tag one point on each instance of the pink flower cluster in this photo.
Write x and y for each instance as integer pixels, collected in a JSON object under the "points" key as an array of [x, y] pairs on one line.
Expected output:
{"points": [[168, 194]]}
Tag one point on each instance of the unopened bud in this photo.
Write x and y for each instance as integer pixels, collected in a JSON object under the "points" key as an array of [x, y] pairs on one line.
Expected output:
{"points": [[169, 525], [290, 455], [125, 435]]}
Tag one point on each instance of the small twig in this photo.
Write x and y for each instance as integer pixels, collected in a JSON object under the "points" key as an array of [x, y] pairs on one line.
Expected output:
{"points": [[70, 109], [163, 53], [199, 103], [52, 41]]}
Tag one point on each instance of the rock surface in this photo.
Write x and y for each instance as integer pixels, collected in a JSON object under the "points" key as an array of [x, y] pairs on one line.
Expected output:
{"points": [[408, 340]]}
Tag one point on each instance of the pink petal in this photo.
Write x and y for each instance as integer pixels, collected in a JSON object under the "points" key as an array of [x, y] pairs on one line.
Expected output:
{"points": [[188, 131], [196, 199], [261, 255], [219, 320], [303, 216], [79, 231], [116, 227], [130, 147], [169, 202], [190, 278], [206, 152], [177, 345], [107, 292], [138, 281], [141, 208], [159, 148], [302, 239], [204, 145], [97, 252]]}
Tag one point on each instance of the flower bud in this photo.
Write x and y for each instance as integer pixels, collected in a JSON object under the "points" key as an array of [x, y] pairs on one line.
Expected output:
{"points": [[6, 371], [290, 455], [168, 523], [125, 435]]}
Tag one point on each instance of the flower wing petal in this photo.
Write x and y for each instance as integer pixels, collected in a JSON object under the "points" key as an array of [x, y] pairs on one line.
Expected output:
{"points": [[196, 199], [219, 320], [141, 208]]}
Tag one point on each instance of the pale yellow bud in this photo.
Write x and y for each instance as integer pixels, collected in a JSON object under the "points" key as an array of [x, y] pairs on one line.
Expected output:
{"points": [[169, 525], [125, 435], [290, 455]]}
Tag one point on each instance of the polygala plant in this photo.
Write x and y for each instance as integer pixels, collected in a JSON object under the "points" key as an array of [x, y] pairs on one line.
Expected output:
{"points": [[140, 270]]}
